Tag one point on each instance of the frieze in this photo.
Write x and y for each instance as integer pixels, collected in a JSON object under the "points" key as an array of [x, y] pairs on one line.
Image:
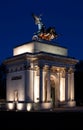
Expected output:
{"points": [[16, 77]]}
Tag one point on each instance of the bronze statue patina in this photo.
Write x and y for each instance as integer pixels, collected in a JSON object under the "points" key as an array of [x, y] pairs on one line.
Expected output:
{"points": [[43, 33]]}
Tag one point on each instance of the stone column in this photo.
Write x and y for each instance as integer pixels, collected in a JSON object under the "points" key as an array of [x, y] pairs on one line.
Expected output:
{"points": [[44, 85], [48, 85], [47, 88], [71, 101], [66, 84], [30, 84], [41, 82], [36, 83], [58, 74], [62, 85], [71, 84]]}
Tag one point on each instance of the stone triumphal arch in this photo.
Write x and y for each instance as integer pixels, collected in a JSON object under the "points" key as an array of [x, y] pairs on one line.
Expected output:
{"points": [[43, 76]]}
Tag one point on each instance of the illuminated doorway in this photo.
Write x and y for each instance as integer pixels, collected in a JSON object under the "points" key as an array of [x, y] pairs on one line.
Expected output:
{"points": [[54, 89]]}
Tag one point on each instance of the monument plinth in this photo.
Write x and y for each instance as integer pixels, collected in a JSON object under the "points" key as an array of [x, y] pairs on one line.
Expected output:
{"points": [[39, 46]]}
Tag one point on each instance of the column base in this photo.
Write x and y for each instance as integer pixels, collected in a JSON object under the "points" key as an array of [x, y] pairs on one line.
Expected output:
{"points": [[42, 106], [67, 104], [71, 103]]}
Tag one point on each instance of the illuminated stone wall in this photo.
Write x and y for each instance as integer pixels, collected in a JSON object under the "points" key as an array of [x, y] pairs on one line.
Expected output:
{"points": [[42, 80], [16, 82], [38, 47]]}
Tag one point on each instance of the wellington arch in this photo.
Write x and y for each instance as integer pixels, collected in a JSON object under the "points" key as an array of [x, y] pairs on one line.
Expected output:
{"points": [[40, 76]]}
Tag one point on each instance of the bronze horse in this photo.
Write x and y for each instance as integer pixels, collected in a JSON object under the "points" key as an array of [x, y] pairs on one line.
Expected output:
{"points": [[43, 33]]}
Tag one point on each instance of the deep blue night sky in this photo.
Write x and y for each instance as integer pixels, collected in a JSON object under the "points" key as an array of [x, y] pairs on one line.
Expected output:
{"points": [[17, 25]]}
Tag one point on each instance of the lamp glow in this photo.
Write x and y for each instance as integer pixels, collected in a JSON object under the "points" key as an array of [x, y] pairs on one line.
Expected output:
{"points": [[29, 106], [10, 106], [20, 106]]}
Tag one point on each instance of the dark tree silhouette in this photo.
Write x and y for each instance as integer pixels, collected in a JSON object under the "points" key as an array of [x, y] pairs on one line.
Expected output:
{"points": [[2, 81], [78, 83]]}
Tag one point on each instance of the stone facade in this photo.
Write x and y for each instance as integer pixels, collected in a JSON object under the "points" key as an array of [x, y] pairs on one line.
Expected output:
{"points": [[40, 80]]}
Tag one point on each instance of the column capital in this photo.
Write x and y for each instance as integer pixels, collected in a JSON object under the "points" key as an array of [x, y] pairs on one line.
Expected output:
{"points": [[47, 68], [36, 67], [62, 73], [71, 70]]}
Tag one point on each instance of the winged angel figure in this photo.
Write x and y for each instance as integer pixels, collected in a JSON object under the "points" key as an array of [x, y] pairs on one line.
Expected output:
{"points": [[43, 33]]}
